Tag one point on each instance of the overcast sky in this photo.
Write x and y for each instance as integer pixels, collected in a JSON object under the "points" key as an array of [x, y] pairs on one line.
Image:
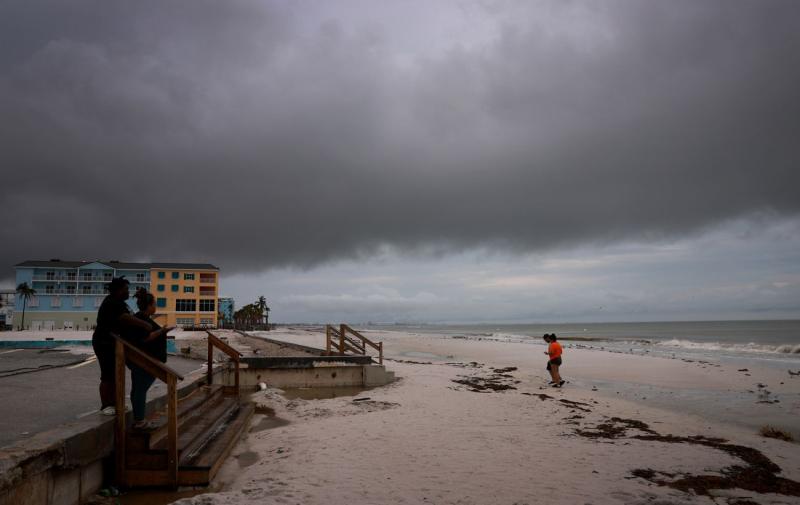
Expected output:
{"points": [[413, 160]]}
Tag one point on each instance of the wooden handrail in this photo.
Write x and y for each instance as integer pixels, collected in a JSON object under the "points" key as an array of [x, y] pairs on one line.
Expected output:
{"points": [[215, 341], [345, 343], [125, 351]]}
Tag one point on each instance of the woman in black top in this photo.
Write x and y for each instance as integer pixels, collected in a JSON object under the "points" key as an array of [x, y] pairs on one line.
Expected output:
{"points": [[113, 317], [153, 341]]}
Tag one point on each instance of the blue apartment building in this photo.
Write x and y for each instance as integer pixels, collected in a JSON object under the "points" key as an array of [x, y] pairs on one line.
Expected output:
{"points": [[226, 310], [68, 293]]}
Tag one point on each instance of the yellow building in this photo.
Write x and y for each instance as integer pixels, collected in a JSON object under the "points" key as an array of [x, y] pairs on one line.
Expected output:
{"points": [[186, 294]]}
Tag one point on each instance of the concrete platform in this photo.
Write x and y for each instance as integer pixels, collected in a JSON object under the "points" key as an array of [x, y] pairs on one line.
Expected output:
{"points": [[42, 389]]}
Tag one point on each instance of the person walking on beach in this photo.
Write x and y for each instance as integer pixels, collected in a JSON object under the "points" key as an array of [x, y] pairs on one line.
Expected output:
{"points": [[153, 342], [554, 351], [112, 317]]}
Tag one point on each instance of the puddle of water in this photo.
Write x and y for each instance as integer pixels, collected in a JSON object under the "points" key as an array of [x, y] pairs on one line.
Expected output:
{"points": [[161, 497], [322, 393], [247, 458]]}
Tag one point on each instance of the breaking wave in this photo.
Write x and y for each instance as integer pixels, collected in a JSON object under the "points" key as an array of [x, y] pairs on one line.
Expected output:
{"points": [[716, 346]]}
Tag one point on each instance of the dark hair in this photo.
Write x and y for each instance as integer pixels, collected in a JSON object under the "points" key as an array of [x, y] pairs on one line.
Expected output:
{"points": [[143, 299], [546, 337], [117, 283], [553, 337]]}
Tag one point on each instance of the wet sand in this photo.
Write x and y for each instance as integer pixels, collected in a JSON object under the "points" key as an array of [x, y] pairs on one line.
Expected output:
{"points": [[481, 426]]}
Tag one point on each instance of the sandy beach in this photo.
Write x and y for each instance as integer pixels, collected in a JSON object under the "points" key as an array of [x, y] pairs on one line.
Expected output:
{"points": [[471, 421]]}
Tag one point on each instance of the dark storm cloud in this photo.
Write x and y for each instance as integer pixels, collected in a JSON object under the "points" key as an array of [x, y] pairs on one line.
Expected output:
{"points": [[243, 134]]}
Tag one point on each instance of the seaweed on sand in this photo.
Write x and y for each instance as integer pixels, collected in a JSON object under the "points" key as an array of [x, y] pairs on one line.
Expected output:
{"points": [[758, 474]]}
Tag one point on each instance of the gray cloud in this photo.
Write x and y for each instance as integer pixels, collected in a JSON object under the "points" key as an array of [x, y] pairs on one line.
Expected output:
{"points": [[258, 135]]}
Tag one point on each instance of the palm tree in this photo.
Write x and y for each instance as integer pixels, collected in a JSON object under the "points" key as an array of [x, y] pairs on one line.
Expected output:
{"points": [[26, 292], [263, 310]]}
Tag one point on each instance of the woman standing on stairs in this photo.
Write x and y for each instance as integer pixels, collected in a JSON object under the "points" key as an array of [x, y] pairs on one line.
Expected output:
{"points": [[113, 317], [153, 342]]}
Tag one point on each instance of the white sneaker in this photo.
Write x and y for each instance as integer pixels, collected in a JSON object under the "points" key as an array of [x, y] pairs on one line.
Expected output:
{"points": [[112, 411]]}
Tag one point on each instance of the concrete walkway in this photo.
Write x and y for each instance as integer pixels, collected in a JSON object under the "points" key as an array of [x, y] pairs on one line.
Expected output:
{"points": [[43, 388]]}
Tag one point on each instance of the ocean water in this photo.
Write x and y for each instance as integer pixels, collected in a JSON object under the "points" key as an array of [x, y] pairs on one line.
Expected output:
{"points": [[771, 343]]}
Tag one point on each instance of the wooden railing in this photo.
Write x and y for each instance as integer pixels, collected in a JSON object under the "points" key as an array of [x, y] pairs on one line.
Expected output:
{"points": [[346, 339], [127, 352], [214, 341]]}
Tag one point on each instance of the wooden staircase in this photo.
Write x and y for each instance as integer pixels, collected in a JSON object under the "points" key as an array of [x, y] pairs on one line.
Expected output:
{"points": [[345, 340], [191, 438]]}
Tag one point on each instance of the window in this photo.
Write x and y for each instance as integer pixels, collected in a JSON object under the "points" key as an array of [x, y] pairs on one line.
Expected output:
{"points": [[205, 322], [86, 290], [184, 321], [70, 290], [50, 276], [175, 275], [160, 287], [87, 276], [174, 288], [185, 305], [208, 278], [56, 301], [34, 302], [107, 276], [49, 289], [139, 277], [161, 275], [206, 305], [207, 291], [188, 277], [188, 289], [77, 301], [71, 276], [161, 302]]}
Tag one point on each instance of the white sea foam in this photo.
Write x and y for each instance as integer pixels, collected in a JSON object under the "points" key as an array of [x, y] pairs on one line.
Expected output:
{"points": [[717, 346]]}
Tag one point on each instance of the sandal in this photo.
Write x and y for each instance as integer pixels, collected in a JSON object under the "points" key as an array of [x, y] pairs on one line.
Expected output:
{"points": [[144, 426]]}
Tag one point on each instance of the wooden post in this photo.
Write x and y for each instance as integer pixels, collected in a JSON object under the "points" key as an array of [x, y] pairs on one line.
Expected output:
{"points": [[341, 340], [172, 430], [328, 339], [210, 370], [119, 432], [236, 380], [380, 353]]}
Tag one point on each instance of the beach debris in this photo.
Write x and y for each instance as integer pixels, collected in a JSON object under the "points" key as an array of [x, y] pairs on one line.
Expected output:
{"points": [[576, 405], [773, 432], [793, 373], [410, 362], [541, 396], [496, 380], [471, 364], [262, 386], [361, 399], [614, 428], [759, 474], [743, 370]]}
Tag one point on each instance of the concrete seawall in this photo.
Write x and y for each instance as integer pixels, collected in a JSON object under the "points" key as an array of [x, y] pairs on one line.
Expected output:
{"points": [[68, 464]]}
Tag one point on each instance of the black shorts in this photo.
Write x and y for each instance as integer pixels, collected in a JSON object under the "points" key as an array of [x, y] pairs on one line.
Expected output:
{"points": [[556, 362], [106, 357]]}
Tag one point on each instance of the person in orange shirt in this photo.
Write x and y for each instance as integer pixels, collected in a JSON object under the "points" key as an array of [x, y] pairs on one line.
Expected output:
{"points": [[554, 351]]}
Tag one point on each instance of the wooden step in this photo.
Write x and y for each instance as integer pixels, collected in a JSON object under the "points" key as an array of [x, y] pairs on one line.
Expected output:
{"points": [[189, 407], [199, 468], [191, 435]]}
